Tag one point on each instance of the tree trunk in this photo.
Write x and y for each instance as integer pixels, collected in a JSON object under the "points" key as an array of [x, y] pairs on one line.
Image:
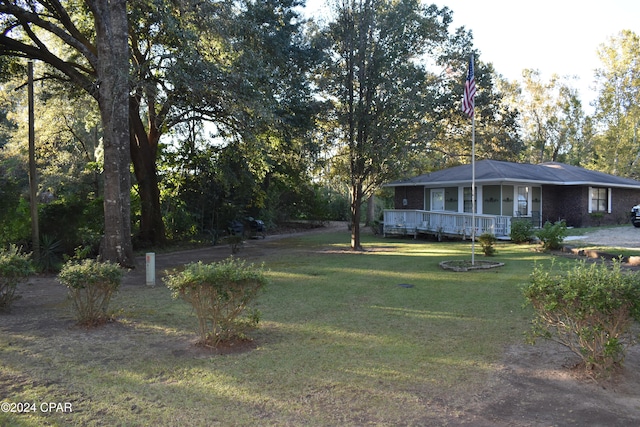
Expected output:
{"points": [[356, 202], [371, 210], [113, 76], [144, 148]]}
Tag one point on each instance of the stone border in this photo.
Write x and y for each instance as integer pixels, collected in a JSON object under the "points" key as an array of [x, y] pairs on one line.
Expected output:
{"points": [[478, 265]]}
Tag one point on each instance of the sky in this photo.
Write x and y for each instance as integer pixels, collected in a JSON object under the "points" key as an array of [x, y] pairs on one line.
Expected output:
{"points": [[552, 36]]}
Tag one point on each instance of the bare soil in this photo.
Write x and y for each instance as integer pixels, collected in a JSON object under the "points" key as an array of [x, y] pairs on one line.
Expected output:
{"points": [[533, 385]]}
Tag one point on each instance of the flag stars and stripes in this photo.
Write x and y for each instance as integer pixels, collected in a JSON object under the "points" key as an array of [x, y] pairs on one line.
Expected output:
{"points": [[468, 100]]}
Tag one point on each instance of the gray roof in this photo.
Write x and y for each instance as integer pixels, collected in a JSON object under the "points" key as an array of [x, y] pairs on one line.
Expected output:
{"points": [[494, 172]]}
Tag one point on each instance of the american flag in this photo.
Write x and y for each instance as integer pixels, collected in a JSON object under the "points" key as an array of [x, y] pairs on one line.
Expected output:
{"points": [[469, 91]]}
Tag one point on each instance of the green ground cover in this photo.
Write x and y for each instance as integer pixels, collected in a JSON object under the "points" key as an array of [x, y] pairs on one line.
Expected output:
{"points": [[340, 343]]}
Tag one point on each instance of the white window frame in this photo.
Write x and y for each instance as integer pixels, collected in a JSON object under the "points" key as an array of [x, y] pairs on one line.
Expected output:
{"points": [[434, 191], [590, 210]]}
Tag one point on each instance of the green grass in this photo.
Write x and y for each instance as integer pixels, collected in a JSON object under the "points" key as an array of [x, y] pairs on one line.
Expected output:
{"points": [[340, 344]]}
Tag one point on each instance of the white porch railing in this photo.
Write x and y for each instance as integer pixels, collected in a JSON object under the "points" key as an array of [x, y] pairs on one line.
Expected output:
{"points": [[414, 222]]}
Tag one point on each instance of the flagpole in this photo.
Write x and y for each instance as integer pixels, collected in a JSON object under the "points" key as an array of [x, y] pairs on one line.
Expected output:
{"points": [[473, 190], [468, 106]]}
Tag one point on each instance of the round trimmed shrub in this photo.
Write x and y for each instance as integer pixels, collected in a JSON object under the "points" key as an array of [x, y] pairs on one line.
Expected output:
{"points": [[487, 241], [91, 285], [219, 294], [552, 235], [521, 231], [590, 309], [14, 267]]}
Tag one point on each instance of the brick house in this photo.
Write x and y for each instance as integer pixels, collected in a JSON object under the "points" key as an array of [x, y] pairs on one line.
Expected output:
{"points": [[504, 190]]}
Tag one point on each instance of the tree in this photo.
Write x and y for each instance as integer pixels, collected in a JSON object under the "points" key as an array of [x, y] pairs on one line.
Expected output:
{"points": [[497, 130], [238, 65], [373, 77], [98, 64], [67, 146], [552, 118], [227, 63], [617, 145], [246, 74]]}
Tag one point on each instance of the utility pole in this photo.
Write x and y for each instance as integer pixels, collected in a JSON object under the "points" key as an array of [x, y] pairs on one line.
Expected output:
{"points": [[33, 181]]}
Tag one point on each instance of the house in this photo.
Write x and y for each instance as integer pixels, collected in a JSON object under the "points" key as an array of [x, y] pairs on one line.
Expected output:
{"points": [[441, 202]]}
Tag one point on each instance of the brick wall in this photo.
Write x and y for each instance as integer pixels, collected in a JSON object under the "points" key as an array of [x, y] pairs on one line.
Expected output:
{"points": [[414, 196], [571, 203]]}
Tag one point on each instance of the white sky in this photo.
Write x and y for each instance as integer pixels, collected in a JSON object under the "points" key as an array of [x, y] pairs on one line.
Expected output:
{"points": [[553, 36]]}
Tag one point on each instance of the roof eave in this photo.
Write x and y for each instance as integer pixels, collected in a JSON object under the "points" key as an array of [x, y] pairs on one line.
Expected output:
{"points": [[512, 181]]}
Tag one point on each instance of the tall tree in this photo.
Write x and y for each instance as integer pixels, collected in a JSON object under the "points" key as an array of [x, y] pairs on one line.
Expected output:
{"points": [[96, 62], [378, 86], [618, 105], [551, 118], [496, 118], [235, 64], [224, 62]]}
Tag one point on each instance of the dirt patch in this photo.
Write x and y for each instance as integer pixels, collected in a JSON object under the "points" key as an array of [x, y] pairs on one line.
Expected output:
{"points": [[532, 386]]}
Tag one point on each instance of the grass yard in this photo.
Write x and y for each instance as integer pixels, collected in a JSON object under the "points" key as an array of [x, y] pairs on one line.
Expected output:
{"points": [[340, 343]]}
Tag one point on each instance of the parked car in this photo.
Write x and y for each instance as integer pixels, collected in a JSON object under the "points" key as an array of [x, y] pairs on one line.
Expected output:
{"points": [[635, 216]]}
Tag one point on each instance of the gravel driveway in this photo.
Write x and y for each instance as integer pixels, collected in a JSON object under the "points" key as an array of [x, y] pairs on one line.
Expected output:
{"points": [[621, 237]]}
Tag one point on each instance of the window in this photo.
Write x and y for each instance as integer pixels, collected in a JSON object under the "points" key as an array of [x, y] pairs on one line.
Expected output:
{"points": [[437, 199], [468, 200], [599, 200], [523, 201]]}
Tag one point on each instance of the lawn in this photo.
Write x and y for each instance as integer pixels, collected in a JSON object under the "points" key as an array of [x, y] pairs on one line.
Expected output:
{"points": [[340, 343]]}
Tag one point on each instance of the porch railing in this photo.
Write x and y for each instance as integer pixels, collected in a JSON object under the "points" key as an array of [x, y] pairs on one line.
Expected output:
{"points": [[414, 222]]}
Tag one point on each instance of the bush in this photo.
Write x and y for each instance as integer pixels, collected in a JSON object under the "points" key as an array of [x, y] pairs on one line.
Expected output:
{"points": [[487, 240], [590, 310], [14, 267], [219, 293], [521, 231], [552, 235], [91, 285]]}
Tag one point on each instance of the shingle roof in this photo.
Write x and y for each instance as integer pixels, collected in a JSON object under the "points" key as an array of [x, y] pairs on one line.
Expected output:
{"points": [[494, 171]]}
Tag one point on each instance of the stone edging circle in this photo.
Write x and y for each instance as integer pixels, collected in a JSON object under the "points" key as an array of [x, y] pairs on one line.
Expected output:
{"points": [[466, 265]]}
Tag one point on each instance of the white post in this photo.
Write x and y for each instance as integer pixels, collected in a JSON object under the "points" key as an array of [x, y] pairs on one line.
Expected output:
{"points": [[151, 269]]}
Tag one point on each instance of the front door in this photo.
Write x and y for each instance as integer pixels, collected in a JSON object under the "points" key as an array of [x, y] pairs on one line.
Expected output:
{"points": [[437, 199]]}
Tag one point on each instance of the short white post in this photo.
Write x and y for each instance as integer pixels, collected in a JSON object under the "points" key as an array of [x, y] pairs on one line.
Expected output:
{"points": [[151, 269]]}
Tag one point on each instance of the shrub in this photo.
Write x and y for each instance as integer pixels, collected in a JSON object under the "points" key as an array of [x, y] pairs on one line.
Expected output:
{"points": [[219, 293], [590, 310], [91, 285], [521, 231], [552, 235], [487, 240], [14, 267]]}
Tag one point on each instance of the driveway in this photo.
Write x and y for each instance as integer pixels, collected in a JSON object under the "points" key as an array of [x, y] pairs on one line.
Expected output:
{"points": [[620, 237]]}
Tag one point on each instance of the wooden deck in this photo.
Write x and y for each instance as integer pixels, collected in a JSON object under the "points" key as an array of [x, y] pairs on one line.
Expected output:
{"points": [[439, 223]]}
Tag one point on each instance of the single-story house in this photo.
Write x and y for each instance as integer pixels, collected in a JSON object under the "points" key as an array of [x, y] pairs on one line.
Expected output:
{"points": [[441, 202]]}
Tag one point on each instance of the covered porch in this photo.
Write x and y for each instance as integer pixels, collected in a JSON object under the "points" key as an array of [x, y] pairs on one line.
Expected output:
{"points": [[442, 223]]}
